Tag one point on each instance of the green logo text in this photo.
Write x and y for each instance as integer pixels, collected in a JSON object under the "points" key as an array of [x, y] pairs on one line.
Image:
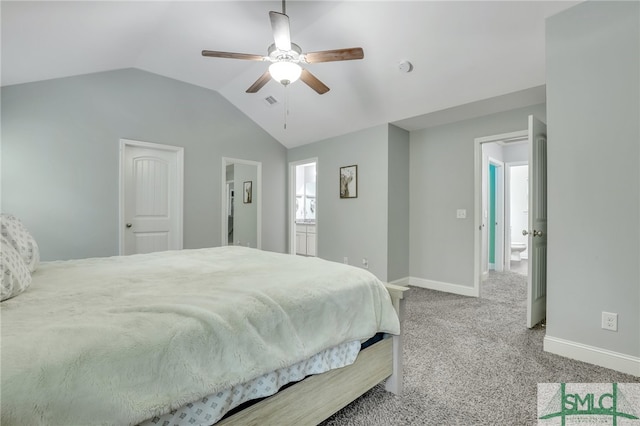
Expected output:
{"points": [[587, 404]]}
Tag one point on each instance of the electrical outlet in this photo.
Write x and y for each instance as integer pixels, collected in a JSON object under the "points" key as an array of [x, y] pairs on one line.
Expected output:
{"points": [[345, 260], [609, 321], [461, 213], [365, 263]]}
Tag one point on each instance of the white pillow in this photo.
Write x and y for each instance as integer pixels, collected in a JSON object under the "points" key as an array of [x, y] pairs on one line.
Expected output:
{"points": [[14, 273], [21, 239]]}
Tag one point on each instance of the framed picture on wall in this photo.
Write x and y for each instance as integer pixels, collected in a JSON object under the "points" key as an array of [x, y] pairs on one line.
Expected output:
{"points": [[247, 193], [349, 182]]}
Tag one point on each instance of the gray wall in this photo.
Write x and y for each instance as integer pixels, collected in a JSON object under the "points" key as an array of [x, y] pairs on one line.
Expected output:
{"points": [[593, 98], [355, 228], [518, 152], [245, 222], [398, 226], [442, 181], [60, 141]]}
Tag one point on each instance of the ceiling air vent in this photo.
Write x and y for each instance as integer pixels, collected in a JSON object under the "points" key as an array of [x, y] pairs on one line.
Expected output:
{"points": [[270, 101]]}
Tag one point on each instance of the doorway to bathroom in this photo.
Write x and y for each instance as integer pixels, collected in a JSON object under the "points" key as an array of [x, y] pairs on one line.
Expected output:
{"points": [[504, 205], [303, 212], [517, 212], [505, 196], [497, 173]]}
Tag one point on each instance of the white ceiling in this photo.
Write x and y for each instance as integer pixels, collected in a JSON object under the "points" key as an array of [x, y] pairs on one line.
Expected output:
{"points": [[462, 52]]}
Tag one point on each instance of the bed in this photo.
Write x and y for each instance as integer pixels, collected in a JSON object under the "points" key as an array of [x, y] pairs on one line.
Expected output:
{"points": [[134, 339]]}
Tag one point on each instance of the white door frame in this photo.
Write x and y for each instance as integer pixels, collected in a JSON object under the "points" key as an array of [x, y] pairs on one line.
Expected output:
{"points": [[292, 202], [179, 151], [223, 191], [477, 217], [228, 206]]}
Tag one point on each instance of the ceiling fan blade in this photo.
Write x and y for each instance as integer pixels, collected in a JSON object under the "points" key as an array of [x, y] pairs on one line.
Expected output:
{"points": [[311, 81], [264, 79], [231, 55], [281, 32], [334, 55]]}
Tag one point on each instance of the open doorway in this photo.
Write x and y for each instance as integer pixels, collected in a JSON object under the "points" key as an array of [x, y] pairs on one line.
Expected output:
{"points": [[241, 203], [496, 156], [536, 228], [230, 210], [504, 198], [303, 217]]}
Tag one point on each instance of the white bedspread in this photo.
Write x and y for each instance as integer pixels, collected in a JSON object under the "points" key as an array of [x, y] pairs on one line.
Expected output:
{"points": [[119, 340]]}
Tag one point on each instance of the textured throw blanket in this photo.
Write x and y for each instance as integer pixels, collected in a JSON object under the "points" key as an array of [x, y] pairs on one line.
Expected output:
{"points": [[119, 340]]}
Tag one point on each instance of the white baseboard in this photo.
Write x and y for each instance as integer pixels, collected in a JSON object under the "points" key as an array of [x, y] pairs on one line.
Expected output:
{"points": [[440, 286], [593, 355], [402, 281]]}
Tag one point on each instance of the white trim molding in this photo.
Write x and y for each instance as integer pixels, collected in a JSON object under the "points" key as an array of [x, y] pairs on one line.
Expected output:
{"points": [[593, 355], [446, 287], [402, 281]]}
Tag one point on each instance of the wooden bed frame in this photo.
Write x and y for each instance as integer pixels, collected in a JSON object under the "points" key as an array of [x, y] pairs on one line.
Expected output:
{"points": [[318, 397]]}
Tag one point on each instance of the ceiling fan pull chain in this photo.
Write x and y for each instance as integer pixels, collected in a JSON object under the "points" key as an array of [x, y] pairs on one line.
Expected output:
{"points": [[286, 105], [284, 8]]}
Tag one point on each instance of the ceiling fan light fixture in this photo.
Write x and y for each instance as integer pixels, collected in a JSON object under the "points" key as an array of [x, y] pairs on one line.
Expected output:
{"points": [[285, 72]]}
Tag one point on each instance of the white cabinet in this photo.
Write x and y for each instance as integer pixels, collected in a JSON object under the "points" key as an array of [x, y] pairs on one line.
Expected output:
{"points": [[301, 239], [311, 240], [306, 239]]}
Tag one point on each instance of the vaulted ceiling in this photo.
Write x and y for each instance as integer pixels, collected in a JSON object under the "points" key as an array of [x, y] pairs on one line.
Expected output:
{"points": [[468, 57]]}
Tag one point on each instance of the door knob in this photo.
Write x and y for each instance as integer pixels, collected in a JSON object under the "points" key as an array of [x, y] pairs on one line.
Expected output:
{"points": [[128, 225], [537, 233], [525, 232]]}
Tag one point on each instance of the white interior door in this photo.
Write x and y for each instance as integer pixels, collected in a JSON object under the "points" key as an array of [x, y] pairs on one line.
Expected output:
{"points": [[537, 232], [151, 197]]}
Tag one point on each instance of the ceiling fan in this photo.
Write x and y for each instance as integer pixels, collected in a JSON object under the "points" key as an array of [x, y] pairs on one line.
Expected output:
{"points": [[286, 57]]}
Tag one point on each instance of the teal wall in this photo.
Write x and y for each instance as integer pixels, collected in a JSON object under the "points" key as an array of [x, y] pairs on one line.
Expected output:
{"points": [[492, 213]]}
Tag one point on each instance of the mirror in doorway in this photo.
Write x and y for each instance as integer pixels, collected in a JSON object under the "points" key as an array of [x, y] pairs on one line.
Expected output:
{"points": [[241, 214]]}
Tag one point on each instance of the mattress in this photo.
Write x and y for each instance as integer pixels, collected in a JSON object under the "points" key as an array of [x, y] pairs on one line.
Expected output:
{"points": [[124, 339], [211, 408]]}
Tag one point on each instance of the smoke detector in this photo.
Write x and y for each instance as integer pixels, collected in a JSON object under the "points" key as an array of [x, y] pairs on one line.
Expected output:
{"points": [[405, 66]]}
